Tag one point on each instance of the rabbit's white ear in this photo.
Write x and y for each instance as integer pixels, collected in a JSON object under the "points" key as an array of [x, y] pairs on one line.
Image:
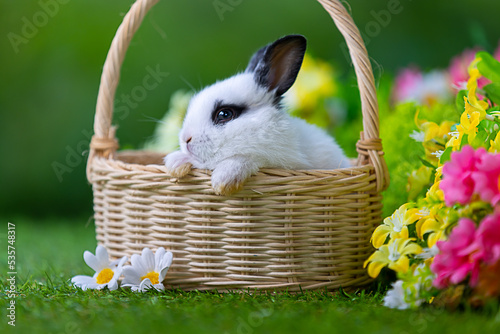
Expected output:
{"points": [[277, 65]]}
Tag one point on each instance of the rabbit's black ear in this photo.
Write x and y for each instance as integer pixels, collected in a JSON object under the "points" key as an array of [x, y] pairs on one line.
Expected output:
{"points": [[277, 65], [256, 59]]}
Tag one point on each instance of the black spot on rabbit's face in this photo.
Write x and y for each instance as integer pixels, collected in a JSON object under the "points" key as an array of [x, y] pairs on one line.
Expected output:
{"points": [[224, 113]]}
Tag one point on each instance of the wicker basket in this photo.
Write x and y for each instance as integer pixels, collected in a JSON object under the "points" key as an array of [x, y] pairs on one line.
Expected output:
{"points": [[287, 229]]}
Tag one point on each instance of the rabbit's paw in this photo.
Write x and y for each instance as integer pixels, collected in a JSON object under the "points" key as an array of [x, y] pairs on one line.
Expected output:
{"points": [[178, 164], [226, 184], [231, 174]]}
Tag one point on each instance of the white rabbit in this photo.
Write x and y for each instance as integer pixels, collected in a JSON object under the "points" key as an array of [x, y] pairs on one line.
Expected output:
{"points": [[236, 126]]}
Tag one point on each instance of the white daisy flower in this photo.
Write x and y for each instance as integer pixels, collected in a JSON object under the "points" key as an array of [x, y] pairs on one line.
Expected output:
{"points": [[147, 270], [106, 272]]}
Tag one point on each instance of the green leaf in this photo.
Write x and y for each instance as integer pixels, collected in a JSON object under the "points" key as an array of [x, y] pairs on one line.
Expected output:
{"points": [[480, 138], [488, 66], [493, 92], [427, 163], [459, 101], [465, 141], [446, 155], [488, 140], [486, 125]]}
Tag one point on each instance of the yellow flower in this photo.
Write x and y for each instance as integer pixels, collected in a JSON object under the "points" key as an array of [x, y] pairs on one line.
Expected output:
{"points": [[445, 128], [479, 108], [439, 174], [435, 194], [436, 132], [394, 255], [434, 199], [468, 124], [495, 144], [417, 180], [314, 83], [475, 111], [396, 226], [435, 136], [455, 140], [472, 104], [432, 225]]}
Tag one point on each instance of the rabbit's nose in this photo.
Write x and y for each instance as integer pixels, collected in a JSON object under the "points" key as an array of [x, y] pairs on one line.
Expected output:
{"points": [[186, 137]]}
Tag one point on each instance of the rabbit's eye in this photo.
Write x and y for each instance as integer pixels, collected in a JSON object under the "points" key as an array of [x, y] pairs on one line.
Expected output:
{"points": [[224, 115]]}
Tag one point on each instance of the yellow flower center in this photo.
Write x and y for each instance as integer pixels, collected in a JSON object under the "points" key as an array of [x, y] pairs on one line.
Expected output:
{"points": [[153, 277], [105, 276]]}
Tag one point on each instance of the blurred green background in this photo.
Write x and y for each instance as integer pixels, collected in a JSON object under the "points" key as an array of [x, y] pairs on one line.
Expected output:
{"points": [[52, 53]]}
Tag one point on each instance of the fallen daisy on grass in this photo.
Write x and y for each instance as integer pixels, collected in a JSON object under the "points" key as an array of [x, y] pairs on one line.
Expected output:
{"points": [[106, 272], [147, 270]]}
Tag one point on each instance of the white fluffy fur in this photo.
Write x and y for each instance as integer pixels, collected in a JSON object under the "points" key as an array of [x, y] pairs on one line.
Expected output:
{"points": [[264, 135]]}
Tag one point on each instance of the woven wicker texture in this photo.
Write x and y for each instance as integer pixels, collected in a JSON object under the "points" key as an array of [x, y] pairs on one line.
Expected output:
{"points": [[286, 229]]}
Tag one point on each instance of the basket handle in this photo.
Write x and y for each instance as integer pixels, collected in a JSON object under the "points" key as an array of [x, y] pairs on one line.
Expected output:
{"points": [[369, 146], [104, 142]]}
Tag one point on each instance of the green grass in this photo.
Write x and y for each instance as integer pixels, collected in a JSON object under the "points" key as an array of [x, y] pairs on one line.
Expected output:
{"points": [[50, 253]]}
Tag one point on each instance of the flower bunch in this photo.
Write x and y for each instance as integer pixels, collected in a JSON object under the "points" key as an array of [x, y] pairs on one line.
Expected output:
{"points": [[411, 84], [428, 88], [471, 184], [449, 239], [147, 271]]}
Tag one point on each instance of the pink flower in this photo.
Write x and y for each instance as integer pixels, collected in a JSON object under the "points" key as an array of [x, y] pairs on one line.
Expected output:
{"points": [[488, 236], [487, 177], [457, 183], [466, 251], [497, 52], [471, 172], [458, 69], [456, 259], [422, 88], [407, 82]]}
